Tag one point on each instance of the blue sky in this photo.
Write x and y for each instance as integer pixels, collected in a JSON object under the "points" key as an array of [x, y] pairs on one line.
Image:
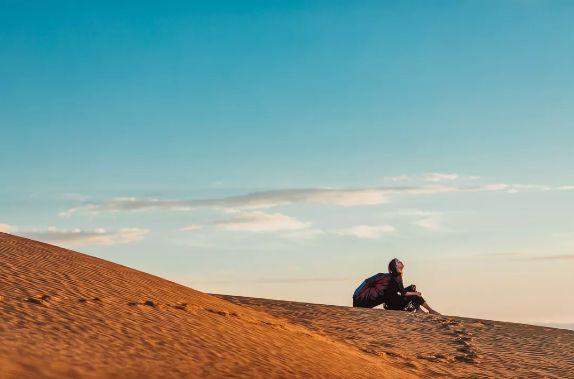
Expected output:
{"points": [[301, 145]]}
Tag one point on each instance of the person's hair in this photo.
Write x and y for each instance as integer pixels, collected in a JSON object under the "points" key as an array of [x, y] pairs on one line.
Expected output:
{"points": [[393, 266]]}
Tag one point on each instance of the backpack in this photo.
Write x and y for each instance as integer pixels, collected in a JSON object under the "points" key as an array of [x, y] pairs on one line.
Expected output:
{"points": [[371, 292]]}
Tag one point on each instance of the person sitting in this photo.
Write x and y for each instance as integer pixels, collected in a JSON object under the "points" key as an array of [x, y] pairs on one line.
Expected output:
{"points": [[398, 298], [388, 289]]}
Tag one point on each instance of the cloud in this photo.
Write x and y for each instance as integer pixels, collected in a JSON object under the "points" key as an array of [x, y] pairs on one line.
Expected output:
{"points": [[327, 196], [439, 177], [304, 280], [367, 231], [496, 187], [255, 200], [398, 178], [416, 212], [522, 256], [5, 228], [261, 222], [431, 177], [190, 228], [265, 199], [429, 223], [304, 234], [429, 220], [80, 237], [559, 257], [275, 280]]}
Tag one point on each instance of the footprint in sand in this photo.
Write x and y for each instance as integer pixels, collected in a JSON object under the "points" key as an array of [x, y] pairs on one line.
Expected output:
{"points": [[90, 300], [161, 306], [466, 352], [40, 300], [222, 312], [145, 303], [433, 357], [182, 306]]}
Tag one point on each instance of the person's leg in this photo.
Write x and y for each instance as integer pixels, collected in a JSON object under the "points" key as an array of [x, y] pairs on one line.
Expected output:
{"points": [[429, 309], [416, 302], [419, 301]]}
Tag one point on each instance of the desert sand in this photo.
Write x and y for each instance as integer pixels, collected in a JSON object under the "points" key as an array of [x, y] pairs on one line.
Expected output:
{"points": [[69, 315]]}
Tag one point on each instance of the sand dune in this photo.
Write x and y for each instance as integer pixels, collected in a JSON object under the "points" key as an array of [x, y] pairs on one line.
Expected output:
{"points": [[68, 315]]}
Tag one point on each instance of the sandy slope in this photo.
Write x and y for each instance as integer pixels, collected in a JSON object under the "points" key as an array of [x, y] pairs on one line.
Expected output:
{"points": [[436, 346], [65, 314]]}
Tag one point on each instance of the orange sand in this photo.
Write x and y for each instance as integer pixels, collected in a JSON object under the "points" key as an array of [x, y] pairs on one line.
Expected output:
{"points": [[429, 346], [68, 315]]}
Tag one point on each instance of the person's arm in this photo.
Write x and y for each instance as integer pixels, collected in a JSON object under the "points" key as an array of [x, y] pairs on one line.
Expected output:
{"points": [[402, 290], [413, 293]]}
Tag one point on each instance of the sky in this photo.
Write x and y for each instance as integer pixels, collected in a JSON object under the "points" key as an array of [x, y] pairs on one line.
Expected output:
{"points": [[291, 149]]}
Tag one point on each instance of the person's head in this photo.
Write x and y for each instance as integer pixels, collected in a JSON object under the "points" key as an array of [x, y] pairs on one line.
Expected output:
{"points": [[396, 267]]}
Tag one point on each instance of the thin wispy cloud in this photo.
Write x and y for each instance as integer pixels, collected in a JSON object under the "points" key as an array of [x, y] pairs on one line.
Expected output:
{"points": [[304, 234], [428, 220], [268, 199], [276, 280], [398, 178], [429, 223], [433, 177], [256, 200], [439, 177], [81, 237], [523, 256], [190, 228], [261, 222], [557, 257], [367, 231]]}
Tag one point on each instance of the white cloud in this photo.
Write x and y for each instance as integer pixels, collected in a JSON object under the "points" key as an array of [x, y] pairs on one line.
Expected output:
{"points": [[304, 234], [416, 212], [329, 196], [80, 237], [367, 231], [259, 200], [256, 200], [348, 197], [261, 222], [430, 223], [398, 178], [439, 177], [496, 187], [430, 220], [190, 228]]}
